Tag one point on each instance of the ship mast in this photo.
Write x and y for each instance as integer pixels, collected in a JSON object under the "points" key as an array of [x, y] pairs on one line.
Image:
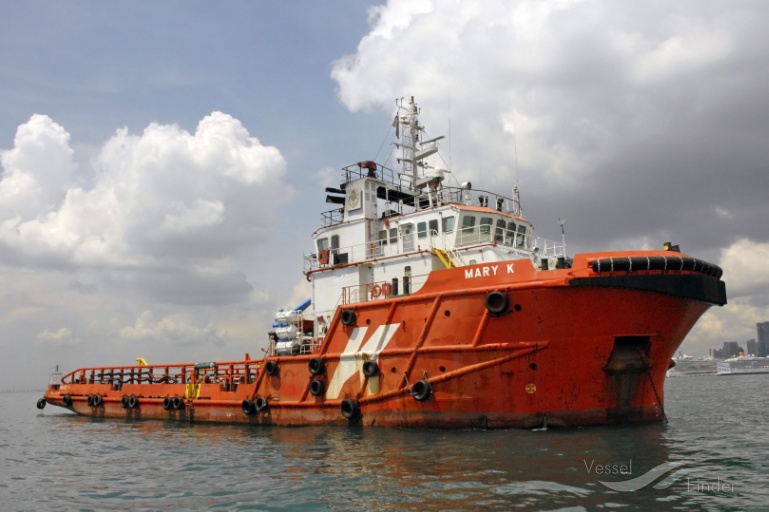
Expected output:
{"points": [[411, 155]]}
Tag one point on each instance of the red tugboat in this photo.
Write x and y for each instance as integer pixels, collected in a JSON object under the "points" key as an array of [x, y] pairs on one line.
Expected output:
{"points": [[436, 306]]}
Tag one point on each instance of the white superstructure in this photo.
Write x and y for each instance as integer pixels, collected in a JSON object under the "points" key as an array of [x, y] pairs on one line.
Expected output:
{"points": [[393, 228]]}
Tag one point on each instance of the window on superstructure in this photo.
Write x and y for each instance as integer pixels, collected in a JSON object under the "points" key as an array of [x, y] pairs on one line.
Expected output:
{"points": [[334, 242], [521, 240], [433, 227], [510, 234], [448, 224], [383, 237], [322, 244], [485, 226], [393, 235], [468, 223], [422, 230], [499, 232]]}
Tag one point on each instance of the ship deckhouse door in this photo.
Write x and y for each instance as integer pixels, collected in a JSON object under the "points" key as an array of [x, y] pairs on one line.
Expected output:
{"points": [[408, 237], [366, 280]]}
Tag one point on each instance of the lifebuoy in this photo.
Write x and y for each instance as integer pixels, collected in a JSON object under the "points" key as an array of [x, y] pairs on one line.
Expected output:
{"points": [[317, 387], [167, 403], [421, 390], [317, 366], [271, 368], [133, 402], [124, 402], [177, 403], [497, 303], [41, 403], [370, 369], [261, 404], [248, 407], [350, 409], [348, 317], [376, 291]]}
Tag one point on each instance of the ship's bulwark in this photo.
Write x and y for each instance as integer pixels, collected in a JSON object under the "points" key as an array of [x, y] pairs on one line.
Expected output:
{"points": [[551, 351]]}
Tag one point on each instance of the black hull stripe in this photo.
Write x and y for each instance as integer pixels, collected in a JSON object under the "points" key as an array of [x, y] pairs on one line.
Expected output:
{"points": [[691, 286]]}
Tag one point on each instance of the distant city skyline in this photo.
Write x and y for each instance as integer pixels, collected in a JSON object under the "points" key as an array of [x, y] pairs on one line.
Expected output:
{"points": [[755, 346]]}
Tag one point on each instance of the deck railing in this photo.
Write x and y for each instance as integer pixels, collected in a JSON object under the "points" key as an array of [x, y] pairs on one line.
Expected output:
{"points": [[230, 372]]}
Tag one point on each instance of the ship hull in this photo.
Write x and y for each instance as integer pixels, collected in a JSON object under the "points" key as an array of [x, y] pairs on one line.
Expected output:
{"points": [[477, 346]]}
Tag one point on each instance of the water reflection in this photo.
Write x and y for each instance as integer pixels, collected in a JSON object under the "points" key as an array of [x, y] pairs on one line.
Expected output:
{"points": [[58, 460]]}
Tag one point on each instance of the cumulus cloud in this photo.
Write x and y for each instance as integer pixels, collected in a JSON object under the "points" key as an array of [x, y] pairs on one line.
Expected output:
{"points": [[167, 203], [61, 335], [37, 172], [575, 75], [745, 267], [172, 328]]}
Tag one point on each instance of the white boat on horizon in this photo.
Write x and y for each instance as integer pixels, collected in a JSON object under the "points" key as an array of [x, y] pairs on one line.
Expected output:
{"points": [[743, 365]]}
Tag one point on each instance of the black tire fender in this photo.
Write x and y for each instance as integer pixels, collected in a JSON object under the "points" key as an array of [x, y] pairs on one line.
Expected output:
{"points": [[348, 317], [370, 369], [498, 303], [271, 368], [317, 387], [421, 390], [317, 366], [350, 409]]}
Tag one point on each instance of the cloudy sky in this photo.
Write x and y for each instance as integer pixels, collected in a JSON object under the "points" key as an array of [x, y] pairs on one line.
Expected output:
{"points": [[163, 163]]}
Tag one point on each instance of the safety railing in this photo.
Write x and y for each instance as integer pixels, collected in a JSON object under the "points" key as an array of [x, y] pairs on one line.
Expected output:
{"points": [[232, 372]]}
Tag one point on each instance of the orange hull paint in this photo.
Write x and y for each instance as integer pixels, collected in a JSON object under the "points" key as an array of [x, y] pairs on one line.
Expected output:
{"points": [[576, 346]]}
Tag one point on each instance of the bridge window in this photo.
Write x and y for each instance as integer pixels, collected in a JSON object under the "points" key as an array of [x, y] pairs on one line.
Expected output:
{"points": [[510, 234], [322, 244], [486, 223], [448, 224], [521, 241], [499, 233], [422, 230], [433, 227]]}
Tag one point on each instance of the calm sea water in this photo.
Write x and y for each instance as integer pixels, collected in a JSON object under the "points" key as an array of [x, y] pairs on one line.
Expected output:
{"points": [[717, 434]]}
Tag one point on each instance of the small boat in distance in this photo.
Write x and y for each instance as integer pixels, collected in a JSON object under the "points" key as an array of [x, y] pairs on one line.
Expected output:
{"points": [[435, 305]]}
